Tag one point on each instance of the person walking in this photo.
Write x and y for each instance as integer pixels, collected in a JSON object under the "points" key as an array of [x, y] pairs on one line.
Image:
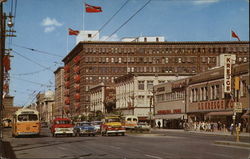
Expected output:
{"points": [[159, 124]]}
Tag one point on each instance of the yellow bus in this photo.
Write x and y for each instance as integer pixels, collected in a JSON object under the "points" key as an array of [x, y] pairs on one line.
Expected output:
{"points": [[130, 121], [25, 122]]}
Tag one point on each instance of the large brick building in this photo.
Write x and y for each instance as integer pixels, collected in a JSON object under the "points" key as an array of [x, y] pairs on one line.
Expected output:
{"points": [[90, 63]]}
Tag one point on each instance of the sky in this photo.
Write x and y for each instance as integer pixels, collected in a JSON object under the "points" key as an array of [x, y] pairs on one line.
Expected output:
{"points": [[42, 25]]}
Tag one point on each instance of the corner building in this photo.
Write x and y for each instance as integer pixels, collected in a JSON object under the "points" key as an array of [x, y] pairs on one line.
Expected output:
{"points": [[90, 63]]}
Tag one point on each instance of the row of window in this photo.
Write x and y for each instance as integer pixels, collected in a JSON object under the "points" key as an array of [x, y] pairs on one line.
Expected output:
{"points": [[154, 60], [166, 97], [160, 50], [141, 69], [214, 92]]}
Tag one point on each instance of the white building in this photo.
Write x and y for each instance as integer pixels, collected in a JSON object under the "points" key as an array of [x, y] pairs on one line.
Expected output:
{"points": [[87, 35], [135, 91], [144, 39], [100, 95]]}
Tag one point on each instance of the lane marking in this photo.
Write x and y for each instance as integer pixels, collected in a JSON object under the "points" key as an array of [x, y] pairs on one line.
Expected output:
{"points": [[153, 156]]}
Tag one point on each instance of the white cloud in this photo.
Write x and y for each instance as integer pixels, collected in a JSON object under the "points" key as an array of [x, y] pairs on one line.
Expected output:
{"points": [[50, 24], [201, 2], [112, 38], [49, 29]]}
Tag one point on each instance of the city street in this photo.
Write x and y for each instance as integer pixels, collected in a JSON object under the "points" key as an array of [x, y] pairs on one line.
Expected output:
{"points": [[176, 144]]}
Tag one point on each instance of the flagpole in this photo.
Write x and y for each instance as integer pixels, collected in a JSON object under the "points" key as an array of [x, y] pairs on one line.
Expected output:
{"points": [[230, 33], [67, 43], [83, 15]]}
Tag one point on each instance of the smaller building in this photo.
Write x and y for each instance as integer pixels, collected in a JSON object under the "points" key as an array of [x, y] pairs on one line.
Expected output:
{"points": [[102, 98], [9, 109], [87, 35], [134, 93], [45, 104], [170, 105]]}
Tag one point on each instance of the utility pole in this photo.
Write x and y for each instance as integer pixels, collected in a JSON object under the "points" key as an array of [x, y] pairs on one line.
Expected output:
{"points": [[2, 48]]}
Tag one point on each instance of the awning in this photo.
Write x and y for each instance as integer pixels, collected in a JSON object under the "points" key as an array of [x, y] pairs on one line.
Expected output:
{"points": [[171, 116], [225, 113]]}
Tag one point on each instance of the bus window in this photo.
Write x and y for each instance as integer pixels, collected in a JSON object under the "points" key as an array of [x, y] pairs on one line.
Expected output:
{"points": [[134, 119], [27, 117], [129, 119]]}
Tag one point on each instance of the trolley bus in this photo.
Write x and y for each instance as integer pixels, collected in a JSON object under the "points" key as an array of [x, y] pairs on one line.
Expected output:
{"points": [[25, 122]]}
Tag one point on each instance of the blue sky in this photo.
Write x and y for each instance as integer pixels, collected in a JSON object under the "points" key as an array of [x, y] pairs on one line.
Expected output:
{"points": [[43, 24]]}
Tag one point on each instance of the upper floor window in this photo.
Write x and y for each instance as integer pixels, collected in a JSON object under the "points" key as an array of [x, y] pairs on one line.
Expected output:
{"points": [[141, 85], [150, 85]]}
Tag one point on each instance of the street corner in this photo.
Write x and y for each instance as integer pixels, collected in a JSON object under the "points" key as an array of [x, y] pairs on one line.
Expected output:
{"points": [[233, 143], [6, 150]]}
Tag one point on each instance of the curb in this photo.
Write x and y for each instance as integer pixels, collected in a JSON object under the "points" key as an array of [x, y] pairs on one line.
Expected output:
{"points": [[241, 144]]}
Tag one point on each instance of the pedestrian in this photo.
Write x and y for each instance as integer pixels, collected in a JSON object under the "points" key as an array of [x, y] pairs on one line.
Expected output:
{"points": [[159, 124], [232, 128]]}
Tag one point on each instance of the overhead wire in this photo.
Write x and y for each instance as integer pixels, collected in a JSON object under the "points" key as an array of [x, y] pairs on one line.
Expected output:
{"points": [[48, 68], [129, 19], [38, 51], [41, 84], [112, 17]]}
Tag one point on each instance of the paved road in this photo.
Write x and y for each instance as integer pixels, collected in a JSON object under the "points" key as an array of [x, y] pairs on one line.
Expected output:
{"points": [[174, 145]]}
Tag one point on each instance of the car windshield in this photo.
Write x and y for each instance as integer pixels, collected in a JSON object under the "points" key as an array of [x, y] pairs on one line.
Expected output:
{"points": [[97, 123], [27, 117], [62, 122], [113, 120], [83, 124]]}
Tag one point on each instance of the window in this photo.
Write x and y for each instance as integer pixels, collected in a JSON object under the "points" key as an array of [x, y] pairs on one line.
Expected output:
{"points": [[161, 81], [145, 39], [89, 35], [141, 85], [150, 85], [243, 88]]}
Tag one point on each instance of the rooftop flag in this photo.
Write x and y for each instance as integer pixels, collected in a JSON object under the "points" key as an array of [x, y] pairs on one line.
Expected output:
{"points": [[92, 9], [234, 35], [73, 32]]}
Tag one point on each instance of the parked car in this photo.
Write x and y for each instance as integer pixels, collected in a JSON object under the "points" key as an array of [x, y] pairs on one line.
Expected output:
{"points": [[143, 126], [62, 126], [44, 124], [84, 128], [97, 125]]}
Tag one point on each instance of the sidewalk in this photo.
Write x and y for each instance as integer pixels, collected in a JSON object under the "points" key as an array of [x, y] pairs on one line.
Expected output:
{"points": [[200, 132]]}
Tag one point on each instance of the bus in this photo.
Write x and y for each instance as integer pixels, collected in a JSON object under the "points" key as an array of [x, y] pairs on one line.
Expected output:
{"points": [[26, 122]]}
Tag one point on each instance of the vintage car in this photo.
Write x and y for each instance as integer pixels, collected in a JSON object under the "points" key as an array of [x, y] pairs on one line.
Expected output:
{"points": [[143, 126], [112, 125], [62, 126], [97, 125], [84, 128]]}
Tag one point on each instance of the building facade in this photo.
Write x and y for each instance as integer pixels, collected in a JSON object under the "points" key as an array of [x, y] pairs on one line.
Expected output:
{"points": [[90, 63], [9, 108], [134, 93], [170, 103], [59, 93], [101, 98], [208, 101], [45, 105]]}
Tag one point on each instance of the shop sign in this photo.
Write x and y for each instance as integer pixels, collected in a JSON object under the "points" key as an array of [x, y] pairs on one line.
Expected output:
{"points": [[162, 112], [227, 73], [238, 107], [214, 105], [176, 111]]}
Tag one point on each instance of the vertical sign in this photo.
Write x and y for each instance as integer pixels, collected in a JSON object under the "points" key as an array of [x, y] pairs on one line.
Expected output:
{"points": [[227, 73]]}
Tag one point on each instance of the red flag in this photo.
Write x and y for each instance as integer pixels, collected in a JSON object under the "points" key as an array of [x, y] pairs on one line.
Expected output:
{"points": [[6, 63], [234, 35], [73, 32], [92, 9]]}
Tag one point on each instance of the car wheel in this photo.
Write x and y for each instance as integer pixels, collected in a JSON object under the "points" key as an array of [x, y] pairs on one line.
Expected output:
{"points": [[123, 134], [93, 134]]}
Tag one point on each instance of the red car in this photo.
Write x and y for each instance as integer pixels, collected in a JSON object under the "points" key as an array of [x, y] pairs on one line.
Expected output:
{"points": [[62, 126]]}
